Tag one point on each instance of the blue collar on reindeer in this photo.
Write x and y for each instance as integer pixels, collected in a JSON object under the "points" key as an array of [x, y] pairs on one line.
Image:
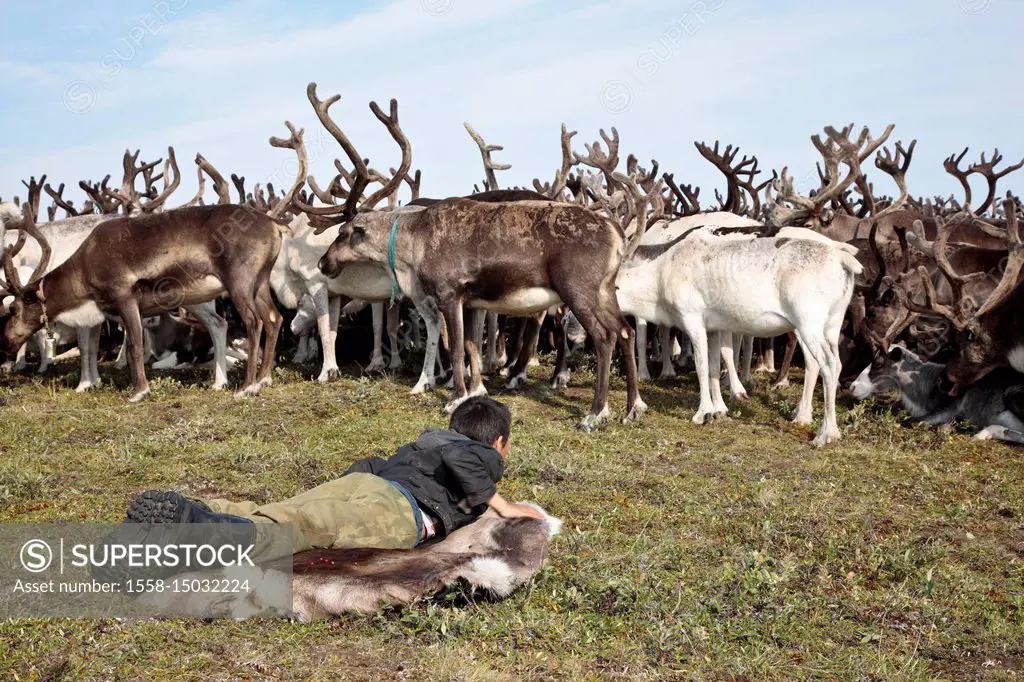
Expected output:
{"points": [[395, 289]]}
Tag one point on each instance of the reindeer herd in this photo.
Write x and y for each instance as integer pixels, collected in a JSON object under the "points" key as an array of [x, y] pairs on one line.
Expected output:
{"points": [[877, 292]]}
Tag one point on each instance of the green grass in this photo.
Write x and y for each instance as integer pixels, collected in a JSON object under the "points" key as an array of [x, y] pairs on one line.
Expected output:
{"points": [[730, 551]]}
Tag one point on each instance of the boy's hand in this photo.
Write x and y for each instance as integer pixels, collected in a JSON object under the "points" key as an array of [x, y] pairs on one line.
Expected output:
{"points": [[521, 511], [509, 510]]}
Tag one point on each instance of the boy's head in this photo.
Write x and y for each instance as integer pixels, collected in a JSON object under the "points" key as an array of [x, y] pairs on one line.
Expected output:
{"points": [[484, 420]]}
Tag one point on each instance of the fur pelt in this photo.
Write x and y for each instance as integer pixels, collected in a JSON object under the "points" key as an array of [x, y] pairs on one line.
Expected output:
{"points": [[493, 554]]}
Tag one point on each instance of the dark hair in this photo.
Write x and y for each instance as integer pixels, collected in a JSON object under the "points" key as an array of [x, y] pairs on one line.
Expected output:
{"points": [[482, 419]]}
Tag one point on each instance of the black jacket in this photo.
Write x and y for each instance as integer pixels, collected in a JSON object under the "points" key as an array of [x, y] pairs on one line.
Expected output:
{"points": [[451, 476]]}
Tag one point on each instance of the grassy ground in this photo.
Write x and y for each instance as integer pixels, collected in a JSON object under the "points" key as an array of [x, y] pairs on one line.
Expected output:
{"points": [[731, 551]]}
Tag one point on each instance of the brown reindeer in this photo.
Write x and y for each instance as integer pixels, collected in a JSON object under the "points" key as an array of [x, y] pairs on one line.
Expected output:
{"points": [[515, 258], [134, 266]]}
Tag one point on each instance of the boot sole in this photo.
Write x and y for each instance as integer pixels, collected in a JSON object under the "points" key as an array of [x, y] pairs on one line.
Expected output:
{"points": [[156, 506]]}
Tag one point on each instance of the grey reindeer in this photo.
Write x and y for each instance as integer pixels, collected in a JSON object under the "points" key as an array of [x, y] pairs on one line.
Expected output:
{"points": [[993, 405]]}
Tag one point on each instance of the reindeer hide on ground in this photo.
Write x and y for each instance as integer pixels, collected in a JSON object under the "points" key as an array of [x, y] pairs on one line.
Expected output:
{"points": [[493, 554]]}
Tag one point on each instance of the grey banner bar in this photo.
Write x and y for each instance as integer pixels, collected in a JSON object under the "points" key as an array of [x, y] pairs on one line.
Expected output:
{"points": [[223, 570]]}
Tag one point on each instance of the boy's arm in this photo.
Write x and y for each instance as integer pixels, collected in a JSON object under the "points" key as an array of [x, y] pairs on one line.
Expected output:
{"points": [[508, 510], [476, 467]]}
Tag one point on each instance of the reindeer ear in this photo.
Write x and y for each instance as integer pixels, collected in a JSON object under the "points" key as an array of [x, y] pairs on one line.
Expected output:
{"points": [[30, 295], [896, 353]]}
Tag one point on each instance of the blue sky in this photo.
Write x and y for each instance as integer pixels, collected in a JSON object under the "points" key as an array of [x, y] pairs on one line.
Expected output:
{"points": [[85, 80]]}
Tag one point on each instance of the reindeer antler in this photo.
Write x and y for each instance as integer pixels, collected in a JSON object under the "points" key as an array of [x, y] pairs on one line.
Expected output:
{"points": [[60, 201], [294, 142], [485, 152], [554, 190], [327, 216], [987, 169]]}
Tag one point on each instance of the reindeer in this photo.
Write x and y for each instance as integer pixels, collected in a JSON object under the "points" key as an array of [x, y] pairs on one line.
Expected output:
{"points": [[514, 258], [993, 406], [296, 271], [988, 336], [134, 266], [65, 236]]}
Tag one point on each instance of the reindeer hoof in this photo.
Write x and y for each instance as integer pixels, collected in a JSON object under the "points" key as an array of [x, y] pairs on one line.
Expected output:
{"points": [[140, 396], [518, 381], [802, 420], [667, 374], [327, 374], [643, 376], [590, 423], [422, 386], [826, 438], [639, 408], [706, 417], [740, 397], [376, 365], [561, 380], [249, 391], [86, 386], [450, 407], [781, 383]]}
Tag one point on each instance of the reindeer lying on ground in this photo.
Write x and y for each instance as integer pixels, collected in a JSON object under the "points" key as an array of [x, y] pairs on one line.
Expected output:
{"points": [[994, 405]]}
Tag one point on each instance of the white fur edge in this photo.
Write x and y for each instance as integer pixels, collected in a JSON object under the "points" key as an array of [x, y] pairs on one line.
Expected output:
{"points": [[554, 523], [491, 574]]}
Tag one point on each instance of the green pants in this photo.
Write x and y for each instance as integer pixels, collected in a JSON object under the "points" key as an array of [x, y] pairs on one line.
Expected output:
{"points": [[357, 510]]}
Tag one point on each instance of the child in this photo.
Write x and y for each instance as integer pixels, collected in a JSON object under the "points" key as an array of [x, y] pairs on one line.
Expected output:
{"points": [[429, 488]]}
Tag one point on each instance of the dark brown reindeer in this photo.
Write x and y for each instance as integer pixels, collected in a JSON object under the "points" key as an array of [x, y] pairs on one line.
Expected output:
{"points": [[516, 258], [134, 266], [989, 336]]}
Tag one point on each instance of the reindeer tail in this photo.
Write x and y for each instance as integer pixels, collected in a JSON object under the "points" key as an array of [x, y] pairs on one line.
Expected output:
{"points": [[850, 264]]}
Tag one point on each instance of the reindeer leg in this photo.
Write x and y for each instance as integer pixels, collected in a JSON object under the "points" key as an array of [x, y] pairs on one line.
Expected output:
{"points": [[321, 302], [727, 342], [476, 384], [717, 351], [492, 364], [86, 352], [694, 328], [641, 350], [562, 375], [457, 340], [431, 319], [218, 329], [529, 336], [826, 355], [805, 410], [377, 361], [394, 321], [782, 378], [667, 341], [747, 353], [272, 322], [635, 406], [132, 320]]}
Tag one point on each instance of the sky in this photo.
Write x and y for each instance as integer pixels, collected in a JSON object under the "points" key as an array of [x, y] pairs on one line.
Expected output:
{"points": [[84, 81]]}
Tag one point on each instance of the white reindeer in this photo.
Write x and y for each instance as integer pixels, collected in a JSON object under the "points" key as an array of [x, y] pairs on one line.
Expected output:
{"points": [[706, 284], [296, 273]]}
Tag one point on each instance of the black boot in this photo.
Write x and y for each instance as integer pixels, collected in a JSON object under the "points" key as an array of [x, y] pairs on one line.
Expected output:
{"points": [[155, 506]]}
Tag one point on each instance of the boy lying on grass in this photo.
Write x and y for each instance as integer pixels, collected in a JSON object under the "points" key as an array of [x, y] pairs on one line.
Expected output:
{"points": [[428, 489]]}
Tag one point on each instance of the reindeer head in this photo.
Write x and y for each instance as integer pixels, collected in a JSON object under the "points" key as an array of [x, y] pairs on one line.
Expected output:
{"points": [[888, 371], [361, 233], [25, 314], [985, 335], [363, 239]]}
